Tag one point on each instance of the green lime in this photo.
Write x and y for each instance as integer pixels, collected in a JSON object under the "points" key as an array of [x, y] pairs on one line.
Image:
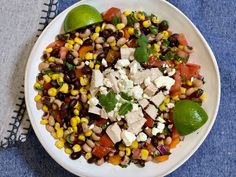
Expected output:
{"points": [[188, 116], [80, 17]]}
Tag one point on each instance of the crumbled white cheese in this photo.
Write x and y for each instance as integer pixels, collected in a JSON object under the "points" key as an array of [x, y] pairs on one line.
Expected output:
{"points": [[93, 101], [114, 132], [159, 129], [155, 131], [91, 126], [147, 81], [135, 107], [107, 83], [127, 52], [160, 126], [97, 79], [103, 90], [86, 62], [104, 62], [164, 81], [160, 119], [137, 92], [127, 137], [172, 72], [170, 105], [141, 137], [122, 63], [111, 116], [146, 96]]}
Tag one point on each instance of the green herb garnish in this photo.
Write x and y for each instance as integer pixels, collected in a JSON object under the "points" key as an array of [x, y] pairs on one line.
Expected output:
{"points": [[142, 41], [154, 30], [39, 88], [116, 20], [68, 139], [108, 101], [166, 131], [48, 72], [142, 53], [69, 66], [169, 55], [104, 126], [125, 108], [165, 42], [131, 20], [125, 96], [123, 166]]}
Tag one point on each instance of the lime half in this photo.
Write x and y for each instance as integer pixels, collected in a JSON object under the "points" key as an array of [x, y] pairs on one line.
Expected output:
{"points": [[188, 116], [81, 16]]}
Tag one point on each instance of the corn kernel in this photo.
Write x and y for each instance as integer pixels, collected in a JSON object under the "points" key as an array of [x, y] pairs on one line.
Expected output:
{"points": [[60, 80], [88, 155], [59, 144], [62, 140], [68, 151], [182, 90], [156, 47], [95, 56], [37, 98], [141, 16], [44, 122], [55, 76], [155, 20], [46, 78], [162, 107], [89, 133], [97, 29], [81, 137], [103, 26], [54, 135], [54, 106], [177, 62], [83, 90], [91, 64], [131, 31], [78, 41], [127, 12], [59, 133], [144, 154], [69, 46], [52, 92], [89, 56], [75, 129], [48, 50], [124, 46], [165, 34], [73, 121], [45, 108], [166, 100], [175, 98], [37, 85], [181, 47], [121, 147], [89, 96], [160, 142], [70, 130], [127, 151], [71, 42], [189, 83], [147, 23], [84, 120], [77, 106], [57, 126], [64, 88], [76, 112], [94, 36], [203, 97], [97, 66], [76, 148], [120, 26], [51, 59], [113, 44], [134, 144], [84, 81], [74, 92]]}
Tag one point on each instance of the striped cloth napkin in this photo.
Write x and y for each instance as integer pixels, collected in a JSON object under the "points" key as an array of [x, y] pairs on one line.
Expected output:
{"points": [[21, 24]]}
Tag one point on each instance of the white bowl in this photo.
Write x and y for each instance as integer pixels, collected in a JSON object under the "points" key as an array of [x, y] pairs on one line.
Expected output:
{"points": [[202, 55]]}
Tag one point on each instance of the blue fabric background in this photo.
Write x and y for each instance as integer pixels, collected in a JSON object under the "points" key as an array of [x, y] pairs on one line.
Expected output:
{"points": [[216, 19]]}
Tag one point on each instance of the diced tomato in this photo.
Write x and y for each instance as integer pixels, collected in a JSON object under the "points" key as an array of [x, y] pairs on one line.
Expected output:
{"points": [[106, 141], [67, 100], [111, 13], [136, 153], [63, 52], [176, 87], [189, 70], [132, 43], [112, 55], [182, 40], [126, 33], [183, 54], [100, 122], [78, 73], [154, 62], [149, 122], [56, 44], [47, 86], [100, 151]]}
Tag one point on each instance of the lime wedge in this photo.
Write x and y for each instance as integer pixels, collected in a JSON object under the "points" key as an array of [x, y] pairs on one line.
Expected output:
{"points": [[81, 16], [188, 116]]}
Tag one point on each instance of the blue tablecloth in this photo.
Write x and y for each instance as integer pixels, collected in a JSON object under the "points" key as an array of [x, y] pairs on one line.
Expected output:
{"points": [[217, 156]]}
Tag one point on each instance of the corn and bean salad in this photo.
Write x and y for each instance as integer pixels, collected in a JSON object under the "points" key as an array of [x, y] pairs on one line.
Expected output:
{"points": [[108, 91]]}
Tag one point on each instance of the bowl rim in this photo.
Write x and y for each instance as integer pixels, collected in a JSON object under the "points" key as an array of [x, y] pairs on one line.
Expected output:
{"points": [[37, 131]]}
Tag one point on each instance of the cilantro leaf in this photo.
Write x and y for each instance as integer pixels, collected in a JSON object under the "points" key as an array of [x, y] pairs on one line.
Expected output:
{"points": [[142, 41], [108, 101], [141, 54], [116, 20], [154, 30], [131, 20], [69, 66], [125, 108], [125, 96]]}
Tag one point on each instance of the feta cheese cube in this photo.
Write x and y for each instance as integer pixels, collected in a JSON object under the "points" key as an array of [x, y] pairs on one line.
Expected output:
{"points": [[136, 127], [126, 52], [97, 79], [111, 116], [158, 99], [152, 111], [164, 81], [107, 83], [137, 92], [159, 129], [141, 137], [160, 126], [122, 63], [155, 73], [112, 77], [134, 67], [93, 101], [127, 137], [114, 132], [94, 110], [133, 116], [139, 77], [103, 114], [151, 90], [143, 103], [104, 62], [155, 131], [170, 105], [147, 81]]}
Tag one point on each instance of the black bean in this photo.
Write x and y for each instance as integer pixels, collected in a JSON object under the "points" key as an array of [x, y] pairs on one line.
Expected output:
{"points": [[72, 75], [80, 142], [86, 70], [61, 37], [154, 141], [141, 163], [69, 58], [101, 56], [55, 52], [64, 106], [68, 144], [67, 78], [54, 83], [83, 112], [45, 56], [92, 160], [106, 158], [163, 25], [120, 34], [198, 93], [79, 129], [56, 67], [75, 155], [45, 92], [88, 42], [173, 40], [106, 33], [73, 103], [146, 31], [77, 84], [61, 96], [40, 77]]}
